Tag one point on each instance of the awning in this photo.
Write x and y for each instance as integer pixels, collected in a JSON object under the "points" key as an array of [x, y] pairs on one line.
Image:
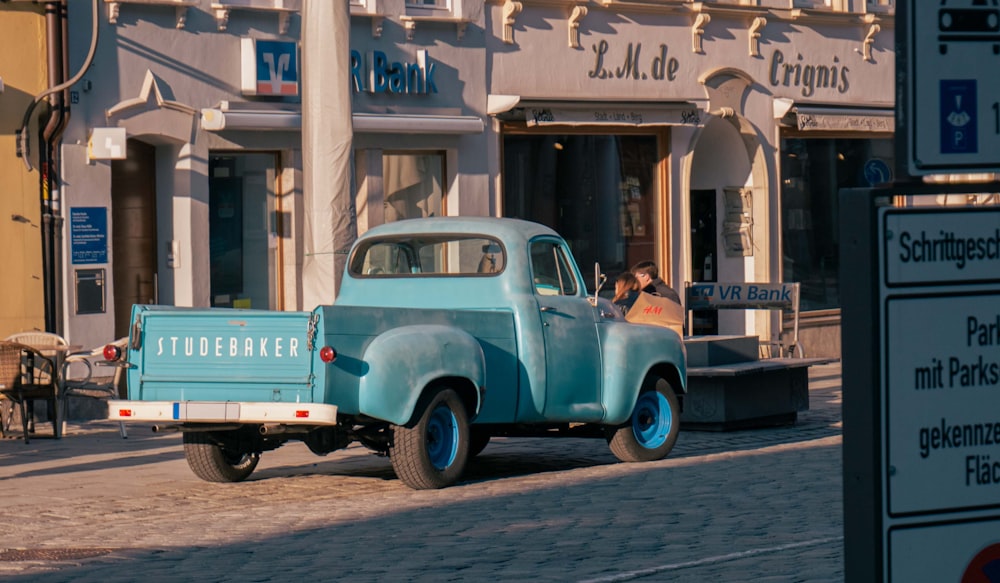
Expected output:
{"points": [[811, 118], [639, 114], [232, 116], [417, 124]]}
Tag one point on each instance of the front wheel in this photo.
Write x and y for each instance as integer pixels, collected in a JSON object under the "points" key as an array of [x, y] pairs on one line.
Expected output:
{"points": [[432, 451], [651, 431], [213, 463]]}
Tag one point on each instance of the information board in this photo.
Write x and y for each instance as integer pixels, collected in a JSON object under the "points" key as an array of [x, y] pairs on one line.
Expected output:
{"points": [[939, 325], [88, 231]]}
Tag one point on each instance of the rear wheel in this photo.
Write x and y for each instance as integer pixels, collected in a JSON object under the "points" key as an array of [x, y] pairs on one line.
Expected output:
{"points": [[432, 451], [651, 431], [213, 463]]}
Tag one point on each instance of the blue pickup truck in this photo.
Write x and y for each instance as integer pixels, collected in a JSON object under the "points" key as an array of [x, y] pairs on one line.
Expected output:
{"points": [[447, 332]]}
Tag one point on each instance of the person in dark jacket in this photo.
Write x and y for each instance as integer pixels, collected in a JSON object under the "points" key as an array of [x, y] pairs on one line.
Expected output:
{"points": [[649, 281], [626, 291]]}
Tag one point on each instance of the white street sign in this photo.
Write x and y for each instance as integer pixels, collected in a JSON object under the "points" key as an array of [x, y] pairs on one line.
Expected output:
{"points": [[930, 246], [953, 90], [939, 319], [943, 403]]}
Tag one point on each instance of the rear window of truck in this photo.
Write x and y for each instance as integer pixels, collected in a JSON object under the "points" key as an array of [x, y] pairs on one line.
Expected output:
{"points": [[428, 256]]}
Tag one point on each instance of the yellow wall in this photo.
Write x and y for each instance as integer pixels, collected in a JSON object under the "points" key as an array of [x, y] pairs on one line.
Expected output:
{"points": [[24, 74]]}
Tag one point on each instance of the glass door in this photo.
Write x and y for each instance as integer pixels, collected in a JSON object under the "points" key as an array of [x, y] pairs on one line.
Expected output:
{"points": [[243, 234]]}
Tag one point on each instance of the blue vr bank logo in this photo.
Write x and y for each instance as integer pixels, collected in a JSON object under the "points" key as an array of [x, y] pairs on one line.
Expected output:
{"points": [[277, 68]]}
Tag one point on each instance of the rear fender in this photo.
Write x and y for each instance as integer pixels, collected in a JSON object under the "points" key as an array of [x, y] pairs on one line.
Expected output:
{"points": [[403, 361]]}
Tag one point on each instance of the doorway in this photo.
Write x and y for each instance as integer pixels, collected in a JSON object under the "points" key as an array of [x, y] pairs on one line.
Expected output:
{"points": [[704, 254], [243, 230], [133, 231]]}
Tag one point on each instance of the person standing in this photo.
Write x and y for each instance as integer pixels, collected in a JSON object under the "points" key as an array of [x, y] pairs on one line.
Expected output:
{"points": [[649, 281]]}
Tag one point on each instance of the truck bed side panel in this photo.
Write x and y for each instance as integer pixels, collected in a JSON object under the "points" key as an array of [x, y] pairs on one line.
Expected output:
{"points": [[350, 329]]}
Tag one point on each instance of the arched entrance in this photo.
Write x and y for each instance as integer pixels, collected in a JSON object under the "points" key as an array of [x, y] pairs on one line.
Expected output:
{"points": [[728, 204]]}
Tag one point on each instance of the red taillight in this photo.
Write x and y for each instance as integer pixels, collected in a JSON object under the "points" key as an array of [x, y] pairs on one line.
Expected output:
{"points": [[124, 412], [302, 414], [112, 352], [327, 354]]}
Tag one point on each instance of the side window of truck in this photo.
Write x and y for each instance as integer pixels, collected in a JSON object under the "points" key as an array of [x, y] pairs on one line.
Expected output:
{"points": [[550, 270]]}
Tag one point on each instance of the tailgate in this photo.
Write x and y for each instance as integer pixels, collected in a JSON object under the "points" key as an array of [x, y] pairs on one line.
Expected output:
{"points": [[220, 354]]}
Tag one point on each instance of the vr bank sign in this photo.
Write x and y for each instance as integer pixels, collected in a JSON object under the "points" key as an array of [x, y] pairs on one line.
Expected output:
{"points": [[376, 74], [272, 68], [269, 67]]}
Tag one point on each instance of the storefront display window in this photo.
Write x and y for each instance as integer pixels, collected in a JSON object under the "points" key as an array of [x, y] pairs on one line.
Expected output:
{"points": [[813, 170], [243, 237], [414, 185], [600, 192]]}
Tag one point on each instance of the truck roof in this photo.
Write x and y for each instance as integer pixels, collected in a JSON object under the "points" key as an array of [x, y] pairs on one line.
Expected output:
{"points": [[508, 230]]}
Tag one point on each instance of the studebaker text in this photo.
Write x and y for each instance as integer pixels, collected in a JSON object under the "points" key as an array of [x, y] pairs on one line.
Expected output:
{"points": [[232, 346]]}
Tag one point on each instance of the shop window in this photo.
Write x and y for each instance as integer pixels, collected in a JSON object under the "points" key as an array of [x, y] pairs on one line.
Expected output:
{"points": [[881, 5], [812, 3], [441, 4], [813, 170], [600, 192], [414, 185], [242, 228]]}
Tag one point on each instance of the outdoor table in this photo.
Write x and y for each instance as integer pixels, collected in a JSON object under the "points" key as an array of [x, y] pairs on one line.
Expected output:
{"points": [[58, 353]]}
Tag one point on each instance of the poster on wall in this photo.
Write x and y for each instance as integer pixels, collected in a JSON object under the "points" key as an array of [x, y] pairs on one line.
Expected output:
{"points": [[88, 232]]}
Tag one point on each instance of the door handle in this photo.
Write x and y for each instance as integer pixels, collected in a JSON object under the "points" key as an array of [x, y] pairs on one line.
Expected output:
{"points": [[547, 309]]}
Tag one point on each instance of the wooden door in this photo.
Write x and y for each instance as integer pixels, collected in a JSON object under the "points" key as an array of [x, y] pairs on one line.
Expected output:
{"points": [[133, 228]]}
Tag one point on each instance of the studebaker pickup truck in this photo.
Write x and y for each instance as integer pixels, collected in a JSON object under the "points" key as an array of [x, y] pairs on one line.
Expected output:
{"points": [[447, 332]]}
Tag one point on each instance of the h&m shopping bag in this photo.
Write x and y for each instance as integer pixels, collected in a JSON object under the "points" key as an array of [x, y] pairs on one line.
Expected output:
{"points": [[657, 311]]}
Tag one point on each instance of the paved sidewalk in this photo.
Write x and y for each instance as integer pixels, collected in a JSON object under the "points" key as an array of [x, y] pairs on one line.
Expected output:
{"points": [[761, 504]]}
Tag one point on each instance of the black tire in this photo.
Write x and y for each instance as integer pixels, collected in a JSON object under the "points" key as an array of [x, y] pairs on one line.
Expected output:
{"points": [[478, 440], [431, 452], [651, 431], [212, 463]]}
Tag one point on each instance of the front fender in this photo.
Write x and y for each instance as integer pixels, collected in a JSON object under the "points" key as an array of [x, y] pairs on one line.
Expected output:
{"points": [[403, 361], [631, 351]]}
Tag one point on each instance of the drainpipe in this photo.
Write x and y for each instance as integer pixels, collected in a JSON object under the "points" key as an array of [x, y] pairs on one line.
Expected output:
{"points": [[49, 159]]}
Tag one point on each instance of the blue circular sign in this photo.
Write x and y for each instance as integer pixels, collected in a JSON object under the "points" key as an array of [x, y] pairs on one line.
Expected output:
{"points": [[877, 172]]}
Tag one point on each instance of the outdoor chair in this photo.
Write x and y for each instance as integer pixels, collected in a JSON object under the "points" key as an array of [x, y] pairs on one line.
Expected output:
{"points": [[26, 375], [87, 377], [37, 339]]}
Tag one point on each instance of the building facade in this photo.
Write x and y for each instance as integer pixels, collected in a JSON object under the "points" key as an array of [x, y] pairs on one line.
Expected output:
{"points": [[184, 160], [24, 75], [709, 137]]}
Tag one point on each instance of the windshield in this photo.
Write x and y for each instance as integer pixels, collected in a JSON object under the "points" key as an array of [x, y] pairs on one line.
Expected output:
{"points": [[428, 255]]}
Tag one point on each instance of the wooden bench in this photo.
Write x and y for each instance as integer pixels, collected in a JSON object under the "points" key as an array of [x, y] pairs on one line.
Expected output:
{"points": [[729, 385]]}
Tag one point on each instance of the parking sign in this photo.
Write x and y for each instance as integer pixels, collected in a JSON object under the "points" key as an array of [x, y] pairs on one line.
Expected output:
{"points": [[950, 117]]}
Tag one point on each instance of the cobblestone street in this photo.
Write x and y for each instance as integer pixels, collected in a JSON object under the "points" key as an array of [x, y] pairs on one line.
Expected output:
{"points": [[761, 504]]}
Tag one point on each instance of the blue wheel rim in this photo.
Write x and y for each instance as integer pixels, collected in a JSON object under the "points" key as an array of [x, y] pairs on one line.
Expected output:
{"points": [[651, 420], [442, 437]]}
